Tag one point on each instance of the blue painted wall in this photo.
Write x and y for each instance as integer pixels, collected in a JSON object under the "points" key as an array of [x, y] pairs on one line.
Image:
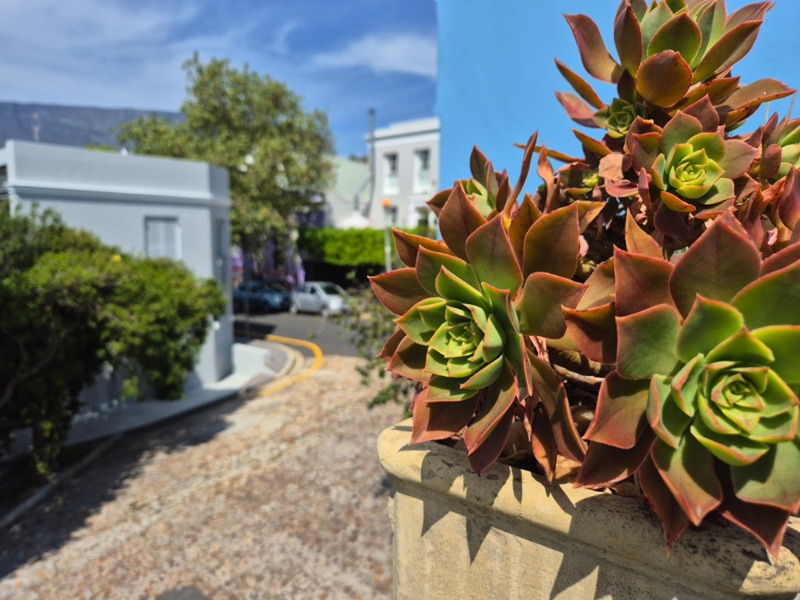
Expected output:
{"points": [[497, 74]]}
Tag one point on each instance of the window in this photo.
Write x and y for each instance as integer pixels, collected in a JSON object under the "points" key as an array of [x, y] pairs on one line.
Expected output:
{"points": [[422, 171], [162, 237], [391, 184]]}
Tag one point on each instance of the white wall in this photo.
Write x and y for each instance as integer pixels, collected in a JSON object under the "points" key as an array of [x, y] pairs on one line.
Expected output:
{"points": [[403, 140], [111, 195]]}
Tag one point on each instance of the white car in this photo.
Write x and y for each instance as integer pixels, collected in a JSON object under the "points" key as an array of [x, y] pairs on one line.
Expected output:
{"points": [[320, 297]]}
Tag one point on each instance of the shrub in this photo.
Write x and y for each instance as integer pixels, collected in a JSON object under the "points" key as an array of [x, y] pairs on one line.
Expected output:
{"points": [[69, 305]]}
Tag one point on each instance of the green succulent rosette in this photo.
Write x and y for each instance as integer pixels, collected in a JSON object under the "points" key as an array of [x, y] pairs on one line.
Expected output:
{"points": [[694, 169], [703, 405], [467, 307], [617, 118]]}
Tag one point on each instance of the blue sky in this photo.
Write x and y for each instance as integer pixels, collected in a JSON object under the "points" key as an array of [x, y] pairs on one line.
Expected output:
{"points": [[342, 56]]}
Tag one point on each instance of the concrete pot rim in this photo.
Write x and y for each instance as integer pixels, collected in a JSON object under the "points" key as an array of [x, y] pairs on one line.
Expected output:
{"points": [[615, 528]]}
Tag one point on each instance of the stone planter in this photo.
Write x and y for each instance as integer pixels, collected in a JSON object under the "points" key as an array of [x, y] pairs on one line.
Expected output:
{"points": [[505, 534]]}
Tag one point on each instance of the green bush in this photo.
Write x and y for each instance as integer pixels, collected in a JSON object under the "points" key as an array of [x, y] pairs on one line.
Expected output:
{"points": [[69, 305], [343, 247]]}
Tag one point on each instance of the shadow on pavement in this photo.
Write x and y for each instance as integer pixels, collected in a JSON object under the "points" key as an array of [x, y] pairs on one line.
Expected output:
{"points": [[240, 327], [49, 525]]}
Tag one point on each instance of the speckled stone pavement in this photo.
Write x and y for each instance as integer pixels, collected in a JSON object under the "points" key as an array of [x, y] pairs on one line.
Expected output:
{"points": [[277, 497]]}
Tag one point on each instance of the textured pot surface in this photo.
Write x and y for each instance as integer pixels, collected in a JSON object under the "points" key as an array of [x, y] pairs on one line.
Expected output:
{"points": [[506, 534]]}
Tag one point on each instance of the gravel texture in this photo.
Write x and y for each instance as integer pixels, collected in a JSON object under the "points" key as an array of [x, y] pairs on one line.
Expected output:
{"points": [[276, 497]]}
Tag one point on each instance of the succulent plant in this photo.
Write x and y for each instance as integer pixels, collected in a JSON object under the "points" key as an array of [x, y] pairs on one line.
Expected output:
{"points": [[687, 167], [652, 284], [703, 404], [670, 55], [617, 118], [470, 308]]}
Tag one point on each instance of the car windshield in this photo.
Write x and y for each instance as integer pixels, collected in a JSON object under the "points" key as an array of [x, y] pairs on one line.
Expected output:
{"points": [[276, 287], [332, 289]]}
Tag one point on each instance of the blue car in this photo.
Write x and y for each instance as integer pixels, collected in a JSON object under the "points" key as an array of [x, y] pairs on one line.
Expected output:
{"points": [[260, 296]]}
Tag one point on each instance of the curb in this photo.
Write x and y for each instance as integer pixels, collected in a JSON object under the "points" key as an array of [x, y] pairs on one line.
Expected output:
{"points": [[43, 492]]}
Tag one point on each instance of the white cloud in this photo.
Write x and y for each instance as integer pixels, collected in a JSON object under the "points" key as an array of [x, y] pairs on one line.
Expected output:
{"points": [[398, 53], [102, 52], [280, 44]]}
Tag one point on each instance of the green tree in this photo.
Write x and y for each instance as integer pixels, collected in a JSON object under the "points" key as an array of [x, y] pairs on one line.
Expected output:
{"points": [[277, 153]]}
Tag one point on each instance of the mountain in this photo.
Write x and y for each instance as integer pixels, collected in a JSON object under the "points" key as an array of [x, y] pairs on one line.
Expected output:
{"points": [[68, 125]]}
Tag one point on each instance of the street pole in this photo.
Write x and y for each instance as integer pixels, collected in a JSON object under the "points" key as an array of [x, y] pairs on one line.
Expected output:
{"points": [[371, 197], [387, 242]]}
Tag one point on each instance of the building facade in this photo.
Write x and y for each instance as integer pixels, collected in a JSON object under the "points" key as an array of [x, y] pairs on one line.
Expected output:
{"points": [[144, 205], [406, 170], [348, 195]]}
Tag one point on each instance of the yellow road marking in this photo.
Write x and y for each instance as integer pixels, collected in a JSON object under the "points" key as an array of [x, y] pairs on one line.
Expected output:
{"points": [[279, 385]]}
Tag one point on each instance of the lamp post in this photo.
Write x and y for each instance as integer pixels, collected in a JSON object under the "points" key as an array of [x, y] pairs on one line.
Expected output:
{"points": [[388, 221]]}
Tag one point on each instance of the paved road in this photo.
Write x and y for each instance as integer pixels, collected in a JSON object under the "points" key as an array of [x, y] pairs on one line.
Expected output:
{"points": [[331, 338]]}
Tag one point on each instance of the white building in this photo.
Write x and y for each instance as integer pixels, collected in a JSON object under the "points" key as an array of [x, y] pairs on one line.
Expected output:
{"points": [[406, 172], [348, 196], [148, 206]]}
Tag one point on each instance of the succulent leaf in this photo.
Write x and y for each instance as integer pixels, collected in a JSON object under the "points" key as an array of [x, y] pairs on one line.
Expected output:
{"points": [[637, 241], [771, 299], [580, 85], [539, 307], [398, 290], [490, 252], [641, 281], [680, 34], [593, 329], [647, 342], [457, 220], [595, 56], [722, 262], [620, 414], [708, 324], [663, 79], [577, 109], [773, 480], [499, 397], [606, 465], [554, 398], [727, 51], [551, 244], [628, 38], [689, 474], [408, 245], [437, 420], [673, 519], [430, 264]]}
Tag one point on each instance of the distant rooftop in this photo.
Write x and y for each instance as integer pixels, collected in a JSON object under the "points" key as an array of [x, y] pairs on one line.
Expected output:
{"points": [[66, 168], [416, 126]]}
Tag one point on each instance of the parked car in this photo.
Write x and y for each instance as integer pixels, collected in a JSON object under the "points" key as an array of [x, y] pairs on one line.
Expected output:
{"points": [[320, 297], [261, 296]]}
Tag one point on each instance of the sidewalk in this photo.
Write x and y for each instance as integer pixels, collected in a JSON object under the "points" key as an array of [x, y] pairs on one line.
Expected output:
{"points": [[255, 365]]}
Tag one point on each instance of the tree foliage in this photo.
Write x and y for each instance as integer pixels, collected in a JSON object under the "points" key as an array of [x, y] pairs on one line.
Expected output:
{"points": [[70, 305], [277, 154]]}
